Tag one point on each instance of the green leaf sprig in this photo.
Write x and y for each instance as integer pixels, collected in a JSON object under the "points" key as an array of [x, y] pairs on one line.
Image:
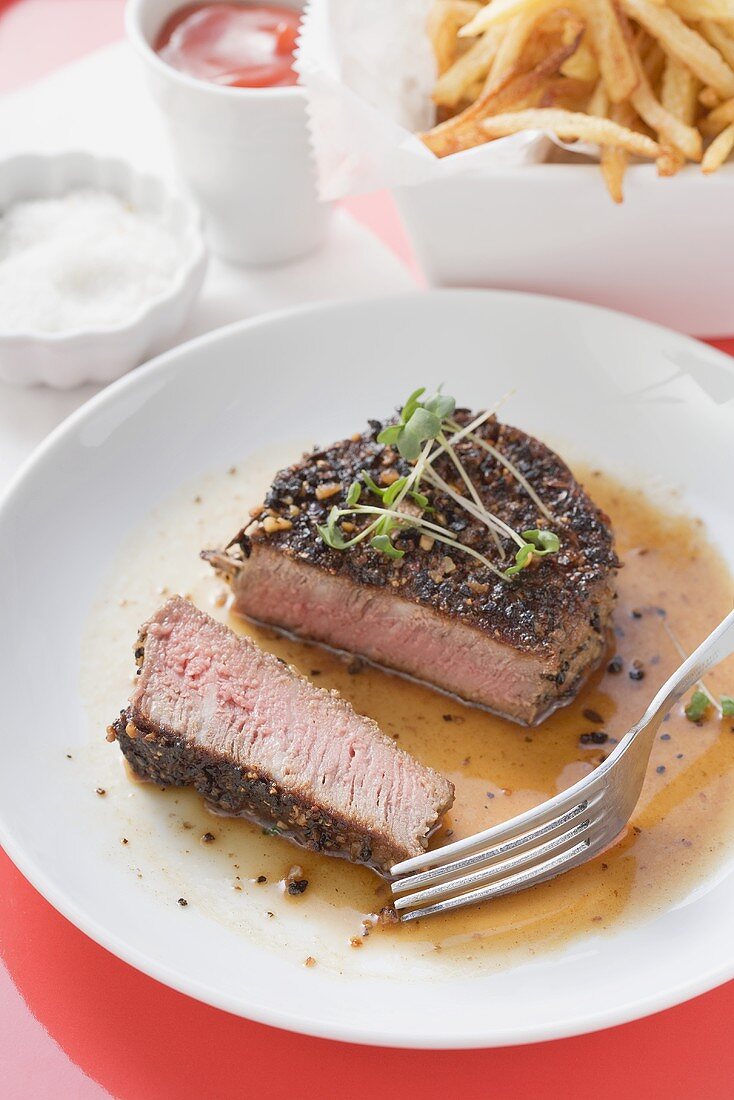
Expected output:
{"points": [[425, 430], [698, 706], [701, 702]]}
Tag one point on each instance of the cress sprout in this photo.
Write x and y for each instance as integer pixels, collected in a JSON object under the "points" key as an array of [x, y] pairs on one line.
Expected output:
{"points": [[425, 430]]}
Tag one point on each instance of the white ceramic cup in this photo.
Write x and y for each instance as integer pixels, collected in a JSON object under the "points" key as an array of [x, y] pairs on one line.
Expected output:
{"points": [[244, 152]]}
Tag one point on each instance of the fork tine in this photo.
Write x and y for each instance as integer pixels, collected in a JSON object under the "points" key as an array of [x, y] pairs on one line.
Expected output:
{"points": [[527, 877], [530, 819], [487, 855], [497, 870]]}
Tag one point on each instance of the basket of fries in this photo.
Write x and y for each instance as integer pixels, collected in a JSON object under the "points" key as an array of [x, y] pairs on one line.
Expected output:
{"points": [[574, 147]]}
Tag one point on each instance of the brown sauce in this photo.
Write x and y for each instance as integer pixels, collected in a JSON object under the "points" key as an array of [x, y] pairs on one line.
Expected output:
{"points": [[673, 590]]}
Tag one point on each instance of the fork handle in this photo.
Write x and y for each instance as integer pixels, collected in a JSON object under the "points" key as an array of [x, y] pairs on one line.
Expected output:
{"points": [[718, 645]]}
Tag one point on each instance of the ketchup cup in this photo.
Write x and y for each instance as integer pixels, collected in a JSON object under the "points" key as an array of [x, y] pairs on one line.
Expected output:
{"points": [[244, 152]]}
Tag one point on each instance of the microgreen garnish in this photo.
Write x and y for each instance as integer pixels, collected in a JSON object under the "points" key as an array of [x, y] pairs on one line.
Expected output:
{"points": [[537, 544], [727, 706], [426, 430], [698, 706], [419, 421]]}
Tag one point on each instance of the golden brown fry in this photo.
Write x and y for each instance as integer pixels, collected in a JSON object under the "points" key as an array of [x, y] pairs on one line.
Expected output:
{"points": [[720, 10], [474, 65], [720, 39], [669, 128], [444, 20], [572, 126], [499, 11], [631, 76], [709, 98], [520, 90], [719, 118], [719, 150], [679, 91], [678, 96], [615, 159], [598, 104], [583, 64], [687, 45], [566, 92], [517, 34], [614, 55]]}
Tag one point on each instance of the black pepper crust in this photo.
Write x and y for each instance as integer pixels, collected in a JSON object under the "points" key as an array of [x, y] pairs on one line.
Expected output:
{"points": [[530, 613], [167, 760]]}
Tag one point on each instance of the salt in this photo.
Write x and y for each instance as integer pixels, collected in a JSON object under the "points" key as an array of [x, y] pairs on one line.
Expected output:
{"points": [[85, 260]]}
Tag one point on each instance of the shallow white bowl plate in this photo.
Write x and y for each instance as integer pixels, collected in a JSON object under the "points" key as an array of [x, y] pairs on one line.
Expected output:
{"points": [[638, 401]]}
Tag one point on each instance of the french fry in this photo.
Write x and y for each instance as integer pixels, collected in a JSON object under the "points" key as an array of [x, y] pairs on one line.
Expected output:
{"points": [[520, 90], [720, 39], [719, 150], [615, 159], [567, 92], [680, 41], [582, 65], [612, 159], [614, 56], [518, 31], [631, 76], [678, 94], [709, 98], [670, 129], [444, 20], [720, 10], [498, 12], [572, 126], [719, 118], [474, 65]]}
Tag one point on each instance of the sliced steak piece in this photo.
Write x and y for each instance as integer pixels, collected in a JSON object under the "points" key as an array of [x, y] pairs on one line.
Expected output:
{"points": [[213, 711], [519, 648]]}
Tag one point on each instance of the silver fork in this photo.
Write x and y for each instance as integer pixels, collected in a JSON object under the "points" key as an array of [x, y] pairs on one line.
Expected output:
{"points": [[559, 834]]}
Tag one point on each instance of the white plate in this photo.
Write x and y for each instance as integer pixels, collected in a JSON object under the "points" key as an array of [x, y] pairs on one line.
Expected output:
{"points": [[644, 403]]}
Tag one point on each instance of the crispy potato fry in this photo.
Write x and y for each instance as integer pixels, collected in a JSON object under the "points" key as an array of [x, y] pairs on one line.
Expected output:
{"points": [[679, 90], [498, 12], [671, 130], [614, 55], [719, 10], [678, 94], [518, 31], [598, 104], [719, 150], [615, 159], [571, 126], [444, 20], [519, 91], [583, 64], [474, 65], [720, 39], [682, 42], [566, 92], [719, 118], [630, 76], [709, 98]]}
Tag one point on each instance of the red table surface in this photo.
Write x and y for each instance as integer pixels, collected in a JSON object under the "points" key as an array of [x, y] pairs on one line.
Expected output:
{"points": [[77, 1022]]}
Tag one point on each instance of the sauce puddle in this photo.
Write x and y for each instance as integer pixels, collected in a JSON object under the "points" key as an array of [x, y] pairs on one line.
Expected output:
{"points": [[673, 589]]}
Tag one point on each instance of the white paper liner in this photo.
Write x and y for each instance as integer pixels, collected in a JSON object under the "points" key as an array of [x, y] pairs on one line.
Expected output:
{"points": [[368, 70]]}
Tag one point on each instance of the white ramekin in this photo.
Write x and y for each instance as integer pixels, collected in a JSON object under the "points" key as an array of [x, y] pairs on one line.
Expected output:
{"points": [[665, 254], [244, 152], [67, 359]]}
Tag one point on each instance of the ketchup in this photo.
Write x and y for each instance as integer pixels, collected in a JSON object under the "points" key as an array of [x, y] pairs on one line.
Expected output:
{"points": [[237, 45]]}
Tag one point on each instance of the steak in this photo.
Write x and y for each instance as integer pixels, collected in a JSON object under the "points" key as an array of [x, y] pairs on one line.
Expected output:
{"points": [[520, 648], [212, 711]]}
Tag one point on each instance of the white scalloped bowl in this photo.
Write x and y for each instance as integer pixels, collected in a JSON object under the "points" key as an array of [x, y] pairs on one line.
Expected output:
{"points": [[65, 359]]}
